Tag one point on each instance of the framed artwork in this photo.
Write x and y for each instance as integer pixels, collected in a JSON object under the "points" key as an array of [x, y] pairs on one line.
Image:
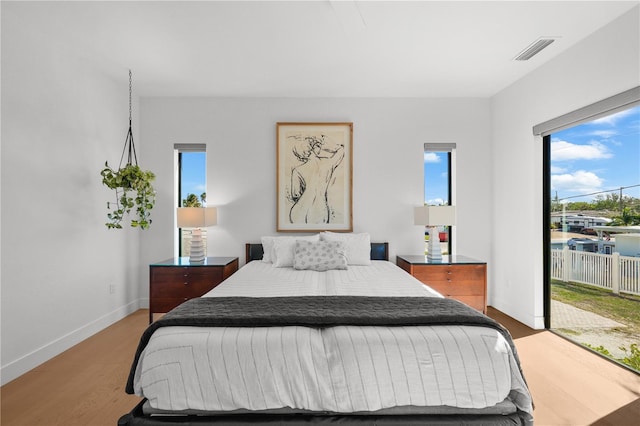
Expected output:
{"points": [[314, 177]]}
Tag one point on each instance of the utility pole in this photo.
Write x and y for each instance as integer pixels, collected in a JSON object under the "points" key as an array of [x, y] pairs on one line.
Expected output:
{"points": [[621, 205]]}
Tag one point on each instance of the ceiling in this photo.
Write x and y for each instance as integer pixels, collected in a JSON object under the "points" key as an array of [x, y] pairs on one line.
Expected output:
{"points": [[314, 48]]}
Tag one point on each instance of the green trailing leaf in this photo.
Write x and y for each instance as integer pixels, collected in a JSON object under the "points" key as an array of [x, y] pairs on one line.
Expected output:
{"points": [[134, 189], [632, 356]]}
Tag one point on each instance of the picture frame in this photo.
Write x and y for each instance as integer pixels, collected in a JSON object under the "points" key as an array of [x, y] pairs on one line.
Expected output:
{"points": [[314, 171]]}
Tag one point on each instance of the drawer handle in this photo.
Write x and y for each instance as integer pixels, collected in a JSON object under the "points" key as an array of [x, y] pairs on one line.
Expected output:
{"points": [[448, 272], [186, 283], [448, 280]]}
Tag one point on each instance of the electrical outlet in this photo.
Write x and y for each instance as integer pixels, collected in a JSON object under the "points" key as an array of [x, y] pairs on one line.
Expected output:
{"points": [[112, 289]]}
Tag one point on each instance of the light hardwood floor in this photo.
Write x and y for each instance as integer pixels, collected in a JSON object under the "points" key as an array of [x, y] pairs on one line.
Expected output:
{"points": [[85, 385]]}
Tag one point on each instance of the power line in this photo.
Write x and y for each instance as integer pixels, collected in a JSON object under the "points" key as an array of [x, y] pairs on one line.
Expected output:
{"points": [[597, 193]]}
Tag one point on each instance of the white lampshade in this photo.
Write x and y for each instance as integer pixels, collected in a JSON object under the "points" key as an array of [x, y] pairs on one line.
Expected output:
{"points": [[197, 217], [434, 215]]}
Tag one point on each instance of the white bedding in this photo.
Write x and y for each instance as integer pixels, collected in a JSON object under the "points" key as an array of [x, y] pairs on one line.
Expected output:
{"points": [[381, 278], [339, 369]]}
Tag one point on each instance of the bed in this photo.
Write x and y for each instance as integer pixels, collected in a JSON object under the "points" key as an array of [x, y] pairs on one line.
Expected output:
{"points": [[365, 345]]}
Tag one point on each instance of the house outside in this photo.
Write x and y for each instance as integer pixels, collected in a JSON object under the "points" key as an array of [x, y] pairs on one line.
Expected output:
{"points": [[578, 222], [612, 261], [628, 244], [624, 240]]}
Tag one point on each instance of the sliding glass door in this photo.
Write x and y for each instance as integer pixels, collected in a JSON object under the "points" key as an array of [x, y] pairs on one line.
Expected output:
{"points": [[592, 233]]}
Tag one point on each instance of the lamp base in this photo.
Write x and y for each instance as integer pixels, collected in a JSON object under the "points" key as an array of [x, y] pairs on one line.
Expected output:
{"points": [[197, 247], [433, 249]]}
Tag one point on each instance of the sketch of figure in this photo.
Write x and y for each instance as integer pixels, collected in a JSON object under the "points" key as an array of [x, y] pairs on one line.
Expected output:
{"points": [[320, 156]]}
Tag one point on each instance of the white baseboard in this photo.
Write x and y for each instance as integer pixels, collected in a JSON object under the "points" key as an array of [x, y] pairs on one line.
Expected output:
{"points": [[30, 361], [535, 322]]}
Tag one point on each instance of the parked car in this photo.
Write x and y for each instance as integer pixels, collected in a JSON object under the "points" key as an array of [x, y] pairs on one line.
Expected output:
{"points": [[582, 244]]}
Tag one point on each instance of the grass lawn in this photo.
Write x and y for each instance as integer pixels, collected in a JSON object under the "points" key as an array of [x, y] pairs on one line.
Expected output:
{"points": [[624, 309]]}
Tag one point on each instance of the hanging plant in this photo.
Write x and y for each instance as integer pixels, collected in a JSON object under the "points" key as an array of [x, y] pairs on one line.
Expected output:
{"points": [[131, 184], [133, 189]]}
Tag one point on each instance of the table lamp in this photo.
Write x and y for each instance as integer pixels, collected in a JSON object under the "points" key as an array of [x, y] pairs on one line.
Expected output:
{"points": [[432, 217], [197, 217]]}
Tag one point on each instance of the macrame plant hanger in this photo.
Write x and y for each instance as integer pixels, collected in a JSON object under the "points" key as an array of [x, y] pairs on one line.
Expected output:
{"points": [[129, 146], [132, 186]]}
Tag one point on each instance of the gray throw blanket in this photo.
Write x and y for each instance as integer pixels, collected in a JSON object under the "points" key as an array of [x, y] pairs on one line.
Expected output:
{"points": [[317, 311]]}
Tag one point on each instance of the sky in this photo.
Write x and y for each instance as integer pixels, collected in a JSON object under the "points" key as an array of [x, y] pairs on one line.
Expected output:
{"points": [[436, 180], [596, 156], [194, 169], [600, 155]]}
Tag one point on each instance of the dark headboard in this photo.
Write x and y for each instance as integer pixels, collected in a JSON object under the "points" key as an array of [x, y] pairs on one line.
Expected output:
{"points": [[379, 251]]}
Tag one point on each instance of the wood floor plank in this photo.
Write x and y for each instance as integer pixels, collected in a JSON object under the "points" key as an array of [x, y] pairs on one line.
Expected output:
{"points": [[571, 385], [84, 386]]}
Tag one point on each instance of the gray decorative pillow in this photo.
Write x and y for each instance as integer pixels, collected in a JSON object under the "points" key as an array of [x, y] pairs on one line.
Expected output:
{"points": [[319, 255]]}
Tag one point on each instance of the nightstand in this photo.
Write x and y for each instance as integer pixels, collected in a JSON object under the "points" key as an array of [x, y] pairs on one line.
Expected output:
{"points": [[176, 280], [457, 277]]}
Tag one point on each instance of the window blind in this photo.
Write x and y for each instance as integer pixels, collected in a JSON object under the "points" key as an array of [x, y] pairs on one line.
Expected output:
{"points": [[591, 112], [439, 147], [190, 147]]}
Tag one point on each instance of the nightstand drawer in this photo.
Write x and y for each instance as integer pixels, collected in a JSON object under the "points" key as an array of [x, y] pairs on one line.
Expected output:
{"points": [[448, 273], [182, 288], [162, 275], [456, 277], [166, 304], [457, 288], [174, 281], [476, 302]]}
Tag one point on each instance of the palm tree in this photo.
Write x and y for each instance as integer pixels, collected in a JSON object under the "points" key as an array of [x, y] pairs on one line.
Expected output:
{"points": [[193, 201], [628, 217]]}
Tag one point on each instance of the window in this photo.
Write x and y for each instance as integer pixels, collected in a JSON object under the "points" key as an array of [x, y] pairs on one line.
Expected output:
{"points": [[439, 160], [191, 186], [625, 101], [591, 182]]}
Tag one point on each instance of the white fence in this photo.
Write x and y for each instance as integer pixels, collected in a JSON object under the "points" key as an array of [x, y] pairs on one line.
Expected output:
{"points": [[610, 271]]}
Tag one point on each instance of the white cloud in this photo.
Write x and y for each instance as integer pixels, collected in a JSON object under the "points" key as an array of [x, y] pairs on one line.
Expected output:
{"points": [[605, 134], [566, 151], [579, 182], [612, 119], [431, 157], [435, 202], [555, 170]]}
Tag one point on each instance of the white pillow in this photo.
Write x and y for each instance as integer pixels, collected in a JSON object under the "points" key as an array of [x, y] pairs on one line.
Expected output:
{"points": [[283, 252], [267, 244], [358, 246], [267, 247], [320, 255]]}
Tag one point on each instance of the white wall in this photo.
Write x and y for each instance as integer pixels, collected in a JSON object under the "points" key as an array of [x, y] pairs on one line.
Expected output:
{"points": [[628, 244], [389, 136], [604, 64], [61, 120]]}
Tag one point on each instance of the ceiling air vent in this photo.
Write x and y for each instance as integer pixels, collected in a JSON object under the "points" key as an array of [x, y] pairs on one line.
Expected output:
{"points": [[534, 48]]}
